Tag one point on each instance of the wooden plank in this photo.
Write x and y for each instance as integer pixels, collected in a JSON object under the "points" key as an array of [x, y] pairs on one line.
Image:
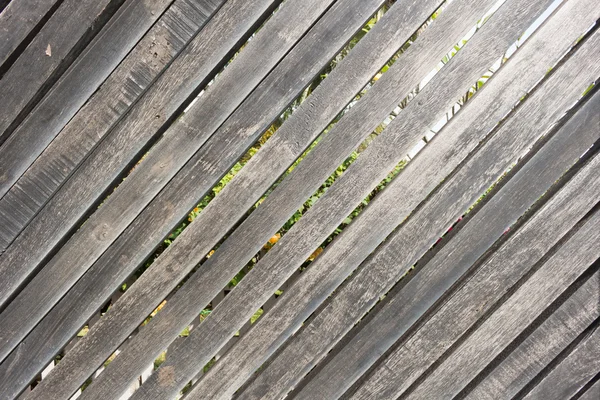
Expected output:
{"points": [[78, 83], [358, 300], [91, 123], [292, 72], [54, 48], [185, 306], [516, 314], [412, 357], [575, 371], [198, 63], [469, 244], [18, 21], [341, 86], [542, 346], [592, 393]]}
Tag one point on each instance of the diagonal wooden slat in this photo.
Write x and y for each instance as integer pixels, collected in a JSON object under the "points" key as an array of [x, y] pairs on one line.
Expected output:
{"points": [[500, 151], [197, 64], [44, 60], [592, 393], [78, 83], [105, 159], [546, 342], [328, 99], [411, 358], [118, 93], [11, 342]]}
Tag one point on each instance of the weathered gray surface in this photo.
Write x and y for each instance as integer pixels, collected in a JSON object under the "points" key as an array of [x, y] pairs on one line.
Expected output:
{"points": [[469, 244], [70, 28], [525, 362], [18, 20], [521, 252], [254, 234], [592, 393], [253, 180], [195, 66], [516, 313], [575, 371], [484, 309], [379, 274], [93, 121], [291, 76], [348, 191], [75, 86]]}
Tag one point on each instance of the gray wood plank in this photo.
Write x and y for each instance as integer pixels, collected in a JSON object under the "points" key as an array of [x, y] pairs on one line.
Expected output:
{"points": [[469, 244], [592, 393], [70, 28], [325, 330], [106, 51], [197, 63], [412, 357], [18, 21], [291, 76], [575, 371], [328, 100], [515, 315], [542, 346], [164, 332], [93, 121]]}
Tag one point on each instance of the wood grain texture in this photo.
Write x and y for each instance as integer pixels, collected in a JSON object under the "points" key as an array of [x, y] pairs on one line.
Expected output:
{"points": [[48, 351], [108, 48], [336, 23], [198, 62], [93, 121], [69, 29], [474, 118], [469, 244], [291, 76], [351, 188], [575, 371], [250, 234], [273, 159], [515, 314], [592, 393], [412, 357], [499, 153], [18, 20], [542, 346]]}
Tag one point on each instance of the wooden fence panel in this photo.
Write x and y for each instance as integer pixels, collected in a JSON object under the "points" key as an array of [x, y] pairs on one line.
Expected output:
{"points": [[85, 130], [206, 53], [355, 295], [150, 290], [307, 199]]}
